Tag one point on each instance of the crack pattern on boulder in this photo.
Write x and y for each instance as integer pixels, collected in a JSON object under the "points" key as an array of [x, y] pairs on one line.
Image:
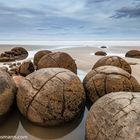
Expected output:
{"points": [[113, 61], [39, 55], [58, 59], [115, 116], [51, 96], [7, 93], [107, 79]]}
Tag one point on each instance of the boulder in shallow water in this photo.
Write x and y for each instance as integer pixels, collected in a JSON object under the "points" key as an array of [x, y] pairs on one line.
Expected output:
{"points": [[51, 96]]}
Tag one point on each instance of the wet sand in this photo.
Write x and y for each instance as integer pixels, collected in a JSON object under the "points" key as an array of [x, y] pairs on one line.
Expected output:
{"points": [[17, 125]]}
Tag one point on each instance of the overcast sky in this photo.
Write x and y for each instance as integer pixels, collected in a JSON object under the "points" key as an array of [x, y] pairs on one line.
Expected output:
{"points": [[69, 19]]}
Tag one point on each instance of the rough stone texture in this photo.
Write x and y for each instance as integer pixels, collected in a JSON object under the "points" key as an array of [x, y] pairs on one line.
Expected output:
{"points": [[4, 68], [133, 54], [113, 61], [39, 55], [58, 59], [107, 79], [20, 53], [51, 96], [115, 116], [102, 53], [17, 53], [7, 93], [26, 68]]}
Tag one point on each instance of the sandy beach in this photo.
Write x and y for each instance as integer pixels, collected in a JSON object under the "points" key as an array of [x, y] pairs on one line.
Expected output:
{"points": [[85, 59]]}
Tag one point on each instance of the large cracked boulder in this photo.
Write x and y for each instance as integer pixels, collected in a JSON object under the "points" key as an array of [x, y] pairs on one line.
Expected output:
{"points": [[113, 61], [58, 59], [107, 79], [19, 53], [39, 55], [115, 116], [7, 93], [133, 54], [51, 96]]}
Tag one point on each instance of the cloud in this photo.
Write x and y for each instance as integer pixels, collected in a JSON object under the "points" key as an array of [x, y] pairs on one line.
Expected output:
{"points": [[129, 12], [92, 1]]}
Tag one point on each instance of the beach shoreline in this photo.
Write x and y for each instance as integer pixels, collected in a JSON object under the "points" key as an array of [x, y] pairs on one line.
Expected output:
{"points": [[85, 59]]}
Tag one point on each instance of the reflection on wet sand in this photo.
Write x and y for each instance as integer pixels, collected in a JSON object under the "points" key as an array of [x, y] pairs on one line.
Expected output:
{"points": [[9, 126], [17, 125], [57, 132]]}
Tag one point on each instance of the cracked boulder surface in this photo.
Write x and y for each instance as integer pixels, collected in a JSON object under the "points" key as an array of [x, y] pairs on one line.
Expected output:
{"points": [[20, 53], [26, 68], [58, 59], [7, 93], [115, 116], [39, 55], [113, 61], [51, 96], [107, 79]]}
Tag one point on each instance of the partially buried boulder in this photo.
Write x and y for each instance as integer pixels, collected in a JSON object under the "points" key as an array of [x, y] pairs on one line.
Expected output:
{"points": [[107, 79], [39, 55], [51, 96], [58, 59], [7, 93], [113, 61], [102, 53], [115, 116], [20, 53], [26, 68], [133, 54]]}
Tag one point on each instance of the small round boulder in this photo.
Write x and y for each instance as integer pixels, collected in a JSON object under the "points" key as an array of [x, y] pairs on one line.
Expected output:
{"points": [[26, 68], [39, 55], [20, 53], [107, 79], [7, 93], [102, 53], [115, 116], [51, 96], [113, 61], [133, 54], [58, 59]]}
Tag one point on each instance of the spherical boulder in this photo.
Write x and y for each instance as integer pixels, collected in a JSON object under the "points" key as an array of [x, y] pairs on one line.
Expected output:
{"points": [[51, 96], [26, 68], [58, 59], [20, 53], [107, 79], [133, 54], [39, 55], [113, 61], [115, 116], [7, 93], [102, 53]]}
